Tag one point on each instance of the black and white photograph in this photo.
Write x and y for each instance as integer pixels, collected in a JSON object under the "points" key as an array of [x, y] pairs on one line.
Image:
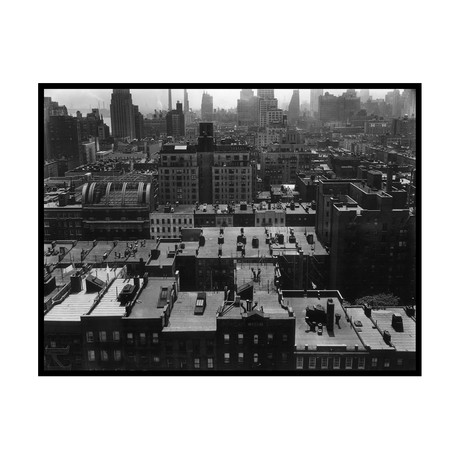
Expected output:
{"points": [[229, 230], [268, 230]]}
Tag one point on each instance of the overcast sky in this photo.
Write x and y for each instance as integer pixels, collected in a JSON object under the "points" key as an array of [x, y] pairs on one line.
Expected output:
{"points": [[150, 99]]}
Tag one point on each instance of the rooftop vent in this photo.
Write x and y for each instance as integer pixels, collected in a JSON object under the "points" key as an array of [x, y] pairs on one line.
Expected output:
{"points": [[397, 322], [200, 304]]}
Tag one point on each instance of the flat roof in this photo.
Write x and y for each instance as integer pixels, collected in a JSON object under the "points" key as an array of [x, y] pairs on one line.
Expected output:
{"points": [[343, 336], [147, 302], [366, 329], [77, 304], [109, 305], [402, 341], [209, 250], [182, 315]]}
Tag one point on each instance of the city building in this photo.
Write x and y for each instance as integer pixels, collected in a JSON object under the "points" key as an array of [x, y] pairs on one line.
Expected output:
{"points": [[178, 174], [169, 220], [207, 109], [294, 108], [369, 231], [118, 207], [175, 122], [314, 101], [338, 108], [122, 114]]}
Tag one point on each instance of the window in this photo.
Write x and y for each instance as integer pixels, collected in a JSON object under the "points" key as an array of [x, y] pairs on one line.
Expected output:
{"points": [[240, 339], [324, 363], [129, 338], [285, 337], [284, 357], [156, 359], [210, 363], [299, 362], [269, 338], [116, 336], [269, 356], [197, 363], [91, 355], [256, 339], [256, 357], [374, 362], [361, 362], [386, 363], [226, 338], [142, 338], [117, 355], [104, 355], [400, 362], [102, 336], [348, 362], [155, 337], [241, 358], [336, 362], [89, 336], [226, 358]]}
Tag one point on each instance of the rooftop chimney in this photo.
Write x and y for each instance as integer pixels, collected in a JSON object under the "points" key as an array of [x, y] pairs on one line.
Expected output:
{"points": [[75, 283]]}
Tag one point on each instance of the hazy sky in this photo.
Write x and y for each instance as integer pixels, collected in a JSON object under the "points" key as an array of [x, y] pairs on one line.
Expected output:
{"points": [[150, 99]]}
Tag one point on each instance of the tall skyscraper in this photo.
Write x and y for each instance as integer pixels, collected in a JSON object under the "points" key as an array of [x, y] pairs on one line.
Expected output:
{"points": [[122, 114], [265, 93], [364, 95], [247, 108], [314, 100], [175, 123], [186, 103], [246, 94], [294, 108], [207, 107], [169, 100]]}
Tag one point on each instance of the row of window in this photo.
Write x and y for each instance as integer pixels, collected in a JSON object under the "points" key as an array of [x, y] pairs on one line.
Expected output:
{"points": [[168, 221], [254, 357], [103, 337], [325, 362], [255, 338]]}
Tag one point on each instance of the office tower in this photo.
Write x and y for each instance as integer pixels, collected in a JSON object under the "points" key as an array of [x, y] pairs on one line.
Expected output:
{"points": [[294, 108], [394, 99], [169, 100], [339, 109], [138, 123], [314, 101], [207, 107], [50, 108], [265, 93], [408, 102], [186, 103], [65, 139], [122, 114], [364, 95], [247, 108], [246, 94], [175, 122], [268, 111]]}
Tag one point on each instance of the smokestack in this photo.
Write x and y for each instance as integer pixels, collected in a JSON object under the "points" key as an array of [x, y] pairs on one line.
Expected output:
{"points": [[330, 315]]}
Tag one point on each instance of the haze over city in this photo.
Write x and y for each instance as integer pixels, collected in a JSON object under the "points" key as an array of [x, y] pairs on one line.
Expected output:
{"points": [[150, 99]]}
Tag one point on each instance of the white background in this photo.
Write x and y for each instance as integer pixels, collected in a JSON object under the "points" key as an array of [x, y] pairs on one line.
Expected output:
{"points": [[229, 418]]}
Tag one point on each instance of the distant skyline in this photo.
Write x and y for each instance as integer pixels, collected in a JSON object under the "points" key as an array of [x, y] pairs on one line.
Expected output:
{"points": [[150, 99]]}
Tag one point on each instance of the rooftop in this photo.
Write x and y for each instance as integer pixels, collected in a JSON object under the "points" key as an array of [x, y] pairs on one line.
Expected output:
{"points": [[77, 304], [109, 305], [404, 340], [146, 305], [342, 337], [183, 317]]}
